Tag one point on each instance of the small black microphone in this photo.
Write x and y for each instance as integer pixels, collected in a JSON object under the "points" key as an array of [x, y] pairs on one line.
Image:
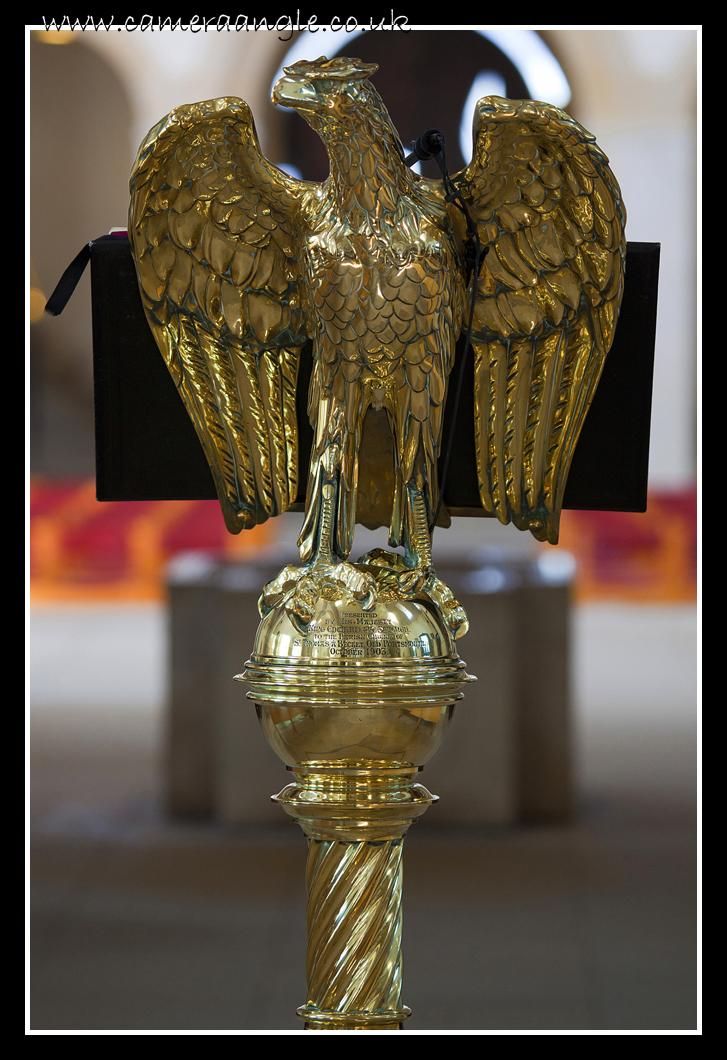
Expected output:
{"points": [[429, 145]]}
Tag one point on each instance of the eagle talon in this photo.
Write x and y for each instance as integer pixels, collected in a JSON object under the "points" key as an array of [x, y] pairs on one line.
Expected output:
{"points": [[452, 611], [280, 589], [411, 582], [298, 590]]}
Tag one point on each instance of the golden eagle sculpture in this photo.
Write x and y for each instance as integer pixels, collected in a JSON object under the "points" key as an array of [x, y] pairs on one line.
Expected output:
{"points": [[240, 265]]}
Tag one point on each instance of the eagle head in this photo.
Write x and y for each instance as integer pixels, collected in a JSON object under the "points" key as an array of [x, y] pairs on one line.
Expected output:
{"points": [[326, 91]]}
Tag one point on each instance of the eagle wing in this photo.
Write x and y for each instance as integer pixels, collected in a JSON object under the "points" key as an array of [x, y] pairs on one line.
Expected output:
{"points": [[212, 230], [549, 211]]}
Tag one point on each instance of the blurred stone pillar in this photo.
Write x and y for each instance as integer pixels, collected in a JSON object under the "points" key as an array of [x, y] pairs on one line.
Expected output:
{"points": [[217, 762], [195, 636], [507, 756], [248, 770], [544, 740]]}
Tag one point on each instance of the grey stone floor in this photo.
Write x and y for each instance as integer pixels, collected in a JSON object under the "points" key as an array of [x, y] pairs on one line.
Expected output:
{"points": [[141, 925]]}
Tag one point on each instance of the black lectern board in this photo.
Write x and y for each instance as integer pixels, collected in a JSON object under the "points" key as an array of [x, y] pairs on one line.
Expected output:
{"points": [[147, 449]]}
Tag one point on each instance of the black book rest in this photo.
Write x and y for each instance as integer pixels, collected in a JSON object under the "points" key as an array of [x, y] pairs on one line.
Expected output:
{"points": [[147, 448]]}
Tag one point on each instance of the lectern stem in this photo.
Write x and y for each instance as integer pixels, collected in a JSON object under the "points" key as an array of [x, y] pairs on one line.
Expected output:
{"points": [[354, 965]]}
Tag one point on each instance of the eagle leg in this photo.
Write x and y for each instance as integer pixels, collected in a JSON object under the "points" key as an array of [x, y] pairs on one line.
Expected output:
{"points": [[326, 574], [420, 577], [417, 539]]}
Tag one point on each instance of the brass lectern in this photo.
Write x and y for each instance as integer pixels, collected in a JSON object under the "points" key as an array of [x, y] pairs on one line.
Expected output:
{"points": [[354, 672]]}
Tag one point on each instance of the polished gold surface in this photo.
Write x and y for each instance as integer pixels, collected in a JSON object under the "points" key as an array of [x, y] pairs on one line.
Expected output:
{"points": [[354, 672]]}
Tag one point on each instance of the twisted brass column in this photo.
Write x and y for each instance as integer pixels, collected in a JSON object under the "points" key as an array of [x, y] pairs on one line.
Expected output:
{"points": [[353, 966], [354, 928]]}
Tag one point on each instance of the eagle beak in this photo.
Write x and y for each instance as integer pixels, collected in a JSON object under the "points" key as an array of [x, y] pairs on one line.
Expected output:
{"points": [[294, 92]]}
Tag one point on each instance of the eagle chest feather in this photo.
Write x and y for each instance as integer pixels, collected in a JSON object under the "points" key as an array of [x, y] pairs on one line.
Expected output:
{"points": [[385, 320]]}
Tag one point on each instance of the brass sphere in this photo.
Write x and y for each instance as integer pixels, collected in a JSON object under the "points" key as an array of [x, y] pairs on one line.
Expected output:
{"points": [[359, 685]]}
